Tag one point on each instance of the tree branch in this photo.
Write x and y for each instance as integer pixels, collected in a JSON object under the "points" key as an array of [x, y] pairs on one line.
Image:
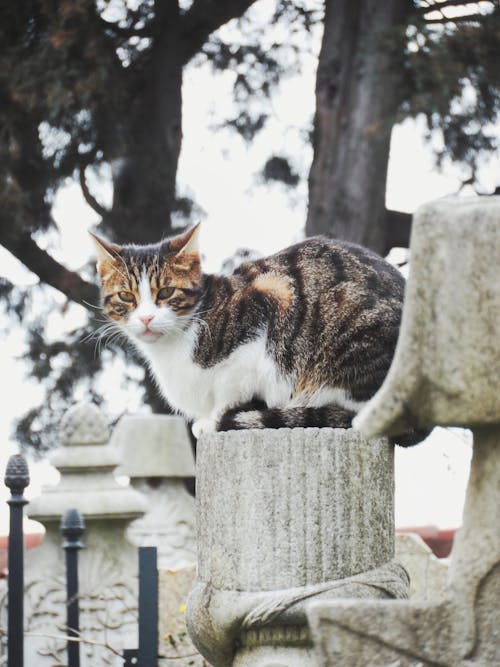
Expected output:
{"points": [[125, 33], [438, 6], [89, 197], [22, 246], [206, 16], [466, 18]]}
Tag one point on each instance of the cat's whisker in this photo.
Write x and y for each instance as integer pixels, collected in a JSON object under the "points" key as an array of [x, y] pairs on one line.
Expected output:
{"points": [[94, 334], [92, 305]]}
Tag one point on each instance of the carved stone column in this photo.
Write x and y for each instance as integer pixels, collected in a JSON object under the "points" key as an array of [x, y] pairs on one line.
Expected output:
{"points": [[285, 516]]}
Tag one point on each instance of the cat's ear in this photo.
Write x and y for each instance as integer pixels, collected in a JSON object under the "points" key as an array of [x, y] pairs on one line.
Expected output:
{"points": [[187, 243], [105, 249]]}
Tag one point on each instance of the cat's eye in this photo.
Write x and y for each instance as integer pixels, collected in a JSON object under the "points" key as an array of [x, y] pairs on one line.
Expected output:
{"points": [[128, 297], [165, 292]]}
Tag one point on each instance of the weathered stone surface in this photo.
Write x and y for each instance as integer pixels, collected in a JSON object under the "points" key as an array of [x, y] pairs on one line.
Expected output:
{"points": [[446, 366], [428, 574], [285, 516], [84, 424], [169, 523], [317, 502], [445, 371], [153, 446], [156, 454]]}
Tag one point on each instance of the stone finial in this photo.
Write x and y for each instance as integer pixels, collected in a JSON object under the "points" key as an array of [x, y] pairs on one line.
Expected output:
{"points": [[84, 424], [17, 475], [87, 462]]}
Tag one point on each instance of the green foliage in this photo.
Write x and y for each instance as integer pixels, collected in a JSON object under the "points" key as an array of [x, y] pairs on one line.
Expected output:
{"points": [[453, 78], [278, 168]]}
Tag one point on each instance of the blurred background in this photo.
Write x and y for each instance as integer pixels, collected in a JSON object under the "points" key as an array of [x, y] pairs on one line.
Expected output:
{"points": [[266, 120]]}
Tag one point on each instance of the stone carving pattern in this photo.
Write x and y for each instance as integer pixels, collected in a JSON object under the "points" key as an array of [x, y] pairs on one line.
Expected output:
{"points": [[108, 615], [84, 424], [173, 534], [391, 579]]}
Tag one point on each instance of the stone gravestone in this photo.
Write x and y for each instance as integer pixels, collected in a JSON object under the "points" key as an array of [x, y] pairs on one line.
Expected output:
{"points": [[156, 455], [285, 516], [108, 563], [446, 371]]}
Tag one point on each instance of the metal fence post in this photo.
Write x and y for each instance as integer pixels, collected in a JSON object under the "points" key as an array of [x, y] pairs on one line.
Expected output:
{"points": [[72, 529], [16, 479], [148, 607]]}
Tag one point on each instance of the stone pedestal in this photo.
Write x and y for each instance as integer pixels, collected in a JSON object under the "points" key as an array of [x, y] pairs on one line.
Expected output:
{"points": [[156, 455], [107, 564], [285, 516], [445, 372]]}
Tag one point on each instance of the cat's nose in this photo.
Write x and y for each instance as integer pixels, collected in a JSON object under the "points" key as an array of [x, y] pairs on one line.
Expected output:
{"points": [[146, 319]]}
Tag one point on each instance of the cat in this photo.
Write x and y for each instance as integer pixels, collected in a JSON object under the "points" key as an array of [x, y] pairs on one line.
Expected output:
{"points": [[304, 337]]}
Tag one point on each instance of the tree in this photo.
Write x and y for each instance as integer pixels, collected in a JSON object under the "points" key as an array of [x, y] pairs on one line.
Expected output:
{"points": [[377, 62], [90, 83]]}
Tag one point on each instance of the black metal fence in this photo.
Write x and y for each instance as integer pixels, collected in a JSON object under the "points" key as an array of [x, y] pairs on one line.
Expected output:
{"points": [[72, 529]]}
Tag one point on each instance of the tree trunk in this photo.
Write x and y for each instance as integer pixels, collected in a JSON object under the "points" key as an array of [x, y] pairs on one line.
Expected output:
{"points": [[144, 181], [356, 99]]}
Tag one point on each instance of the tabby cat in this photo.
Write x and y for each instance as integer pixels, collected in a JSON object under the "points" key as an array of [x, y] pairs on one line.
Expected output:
{"points": [[302, 338]]}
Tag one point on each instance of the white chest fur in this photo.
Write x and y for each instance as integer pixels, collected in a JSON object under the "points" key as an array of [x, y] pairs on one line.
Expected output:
{"points": [[205, 393]]}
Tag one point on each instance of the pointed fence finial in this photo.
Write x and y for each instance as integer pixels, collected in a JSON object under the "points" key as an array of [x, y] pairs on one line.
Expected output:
{"points": [[17, 476], [72, 529]]}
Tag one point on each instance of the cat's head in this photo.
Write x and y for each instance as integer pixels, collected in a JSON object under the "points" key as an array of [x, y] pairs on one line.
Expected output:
{"points": [[150, 291]]}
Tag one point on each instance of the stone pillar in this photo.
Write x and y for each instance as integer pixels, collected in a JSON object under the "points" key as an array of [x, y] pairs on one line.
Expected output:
{"points": [[284, 516], [107, 564], [446, 371], [156, 455]]}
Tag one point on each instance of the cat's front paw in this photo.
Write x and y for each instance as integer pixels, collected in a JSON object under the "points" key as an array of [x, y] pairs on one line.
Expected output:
{"points": [[203, 426]]}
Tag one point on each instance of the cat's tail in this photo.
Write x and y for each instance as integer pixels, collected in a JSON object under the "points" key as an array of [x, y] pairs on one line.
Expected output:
{"points": [[256, 414]]}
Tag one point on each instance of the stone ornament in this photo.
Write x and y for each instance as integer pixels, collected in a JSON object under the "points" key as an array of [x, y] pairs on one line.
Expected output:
{"points": [[445, 372], [84, 424]]}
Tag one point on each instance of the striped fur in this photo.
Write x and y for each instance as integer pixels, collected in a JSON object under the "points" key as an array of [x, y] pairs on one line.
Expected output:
{"points": [[301, 338]]}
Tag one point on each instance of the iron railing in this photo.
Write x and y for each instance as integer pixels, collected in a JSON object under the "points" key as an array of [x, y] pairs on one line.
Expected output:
{"points": [[72, 529]]}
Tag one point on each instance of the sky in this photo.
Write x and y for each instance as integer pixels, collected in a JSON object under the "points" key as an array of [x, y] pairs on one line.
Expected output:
{"points": [[220, 169]]}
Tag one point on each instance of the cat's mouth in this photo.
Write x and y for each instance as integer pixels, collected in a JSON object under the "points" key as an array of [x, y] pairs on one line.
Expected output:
{"points": [[149, 336]]}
